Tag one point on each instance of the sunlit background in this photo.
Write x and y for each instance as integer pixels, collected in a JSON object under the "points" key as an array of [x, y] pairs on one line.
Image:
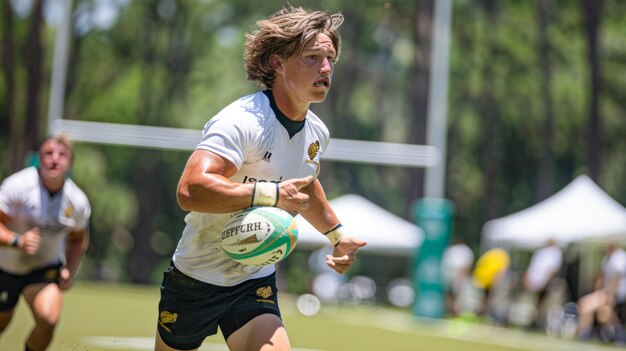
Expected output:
{"points": [[536, 96]]}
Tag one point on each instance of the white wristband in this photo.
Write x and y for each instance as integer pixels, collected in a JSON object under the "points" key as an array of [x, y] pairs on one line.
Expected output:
{"points": [[335, 235], [265, 194]]}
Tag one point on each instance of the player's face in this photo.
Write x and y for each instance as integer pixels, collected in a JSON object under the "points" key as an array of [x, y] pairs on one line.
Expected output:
{"points": [[307, 76], [55, 160]]}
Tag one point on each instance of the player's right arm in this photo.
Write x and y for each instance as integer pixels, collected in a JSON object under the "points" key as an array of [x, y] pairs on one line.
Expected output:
{"points": [[27, 242], [205, 187]]}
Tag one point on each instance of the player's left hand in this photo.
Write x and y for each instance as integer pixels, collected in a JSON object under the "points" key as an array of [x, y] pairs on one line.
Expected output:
{"points": [[344, 254], [65, 279]]}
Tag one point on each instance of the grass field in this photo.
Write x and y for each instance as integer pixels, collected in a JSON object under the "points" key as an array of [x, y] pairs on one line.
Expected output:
{"points": [[100, 317]]}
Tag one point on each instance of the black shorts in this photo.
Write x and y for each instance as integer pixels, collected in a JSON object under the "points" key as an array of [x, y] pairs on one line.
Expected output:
{"points": [[191, 310], [12, 285]]}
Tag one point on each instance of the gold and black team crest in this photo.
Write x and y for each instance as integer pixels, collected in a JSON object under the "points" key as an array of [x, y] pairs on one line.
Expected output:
{"points": [[264, 292], [313, 149], [68, 212], [51, 275], [166, 317]]}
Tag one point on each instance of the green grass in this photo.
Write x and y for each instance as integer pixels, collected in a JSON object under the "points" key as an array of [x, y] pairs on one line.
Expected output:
{"points": [[125, 315]]}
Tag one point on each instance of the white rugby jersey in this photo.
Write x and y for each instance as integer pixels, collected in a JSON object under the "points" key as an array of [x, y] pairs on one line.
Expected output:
{"points": [[614, 267], [543, 263], [24, 198], [249, 134]]}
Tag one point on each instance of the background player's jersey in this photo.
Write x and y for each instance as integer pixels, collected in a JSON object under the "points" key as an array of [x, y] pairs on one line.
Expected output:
{"points": [[248, 134], [614, 271], [24, 198]]}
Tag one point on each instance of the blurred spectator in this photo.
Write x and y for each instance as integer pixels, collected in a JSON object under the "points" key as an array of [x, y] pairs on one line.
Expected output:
{"points": [[456, 263], [600, 306], [488, 272], [545, 265]]}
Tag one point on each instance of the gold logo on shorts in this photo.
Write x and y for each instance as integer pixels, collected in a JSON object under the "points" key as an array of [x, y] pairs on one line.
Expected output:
{"points": [[166, 317], [264, 292], [51, 274]]}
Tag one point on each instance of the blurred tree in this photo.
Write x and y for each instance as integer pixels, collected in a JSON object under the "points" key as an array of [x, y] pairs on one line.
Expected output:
{"points": [[24, 132], [153, 38], [488, 108], [592, 15], [32, 131], [545, 171], [10, 141], [422, 33], [613, 93]]}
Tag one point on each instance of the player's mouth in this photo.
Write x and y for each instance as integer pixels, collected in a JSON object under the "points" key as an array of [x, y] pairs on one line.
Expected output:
{"points": [[324, 82], [53, 168]]}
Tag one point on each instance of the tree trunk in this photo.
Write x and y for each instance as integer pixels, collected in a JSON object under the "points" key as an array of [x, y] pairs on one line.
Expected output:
{"points": [[149, 183], [345, 80], [148, 188], [592, 10], [545, 177], [147, 178], [34, 59], [490, 160], [9, 126], [420, 69]]}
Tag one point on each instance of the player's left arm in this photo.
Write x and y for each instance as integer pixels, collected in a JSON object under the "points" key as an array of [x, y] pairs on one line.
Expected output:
{"points": [[77, 244], [322, 217]]}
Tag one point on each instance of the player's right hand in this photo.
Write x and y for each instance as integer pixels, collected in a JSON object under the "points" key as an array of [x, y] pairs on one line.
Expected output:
{"points": [[65, 279], [290, 197], [30, 241]]}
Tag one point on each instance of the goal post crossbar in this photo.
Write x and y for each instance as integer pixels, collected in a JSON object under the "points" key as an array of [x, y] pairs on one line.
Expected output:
{"points": [[358, 151]]}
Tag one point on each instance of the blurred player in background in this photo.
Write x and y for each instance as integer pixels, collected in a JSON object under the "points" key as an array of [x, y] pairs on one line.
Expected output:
{"points": [[488, 273], [457, 263], [605, 304], [545, 265], [43, 235], [262, 150]]}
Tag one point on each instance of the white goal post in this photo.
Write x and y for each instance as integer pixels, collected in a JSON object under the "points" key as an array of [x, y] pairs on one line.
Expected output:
{"points": [[358, 151]]}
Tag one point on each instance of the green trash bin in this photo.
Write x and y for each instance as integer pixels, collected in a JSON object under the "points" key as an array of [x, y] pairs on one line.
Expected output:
{"points": [[435, 217]]}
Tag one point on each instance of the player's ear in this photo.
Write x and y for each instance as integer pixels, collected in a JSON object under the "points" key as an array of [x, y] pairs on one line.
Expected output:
{"points": [[276, 62]]}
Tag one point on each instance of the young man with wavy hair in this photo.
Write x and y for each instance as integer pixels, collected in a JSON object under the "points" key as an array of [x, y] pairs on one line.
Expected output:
{"points": [[261, 150]]}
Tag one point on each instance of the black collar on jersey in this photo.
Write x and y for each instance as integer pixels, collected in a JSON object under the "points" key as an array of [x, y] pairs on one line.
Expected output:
{"points": [[293, 127]]}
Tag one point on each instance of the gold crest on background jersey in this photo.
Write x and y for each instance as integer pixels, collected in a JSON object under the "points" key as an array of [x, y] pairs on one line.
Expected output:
{"points": [[68, 212], [313, 149]]}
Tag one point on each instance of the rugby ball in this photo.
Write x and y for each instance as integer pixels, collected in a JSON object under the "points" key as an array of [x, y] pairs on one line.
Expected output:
{"points": [[259, 236]]}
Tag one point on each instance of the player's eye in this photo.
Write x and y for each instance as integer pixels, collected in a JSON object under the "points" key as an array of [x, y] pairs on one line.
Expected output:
{"points": [[310, 60]]}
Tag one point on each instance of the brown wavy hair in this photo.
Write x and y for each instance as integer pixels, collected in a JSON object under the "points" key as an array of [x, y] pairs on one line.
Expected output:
{"points": [[285, 33]]}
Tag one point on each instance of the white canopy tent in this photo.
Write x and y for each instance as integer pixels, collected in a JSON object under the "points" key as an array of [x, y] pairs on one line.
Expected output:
{"points": [[581, 211], [384, 232]]}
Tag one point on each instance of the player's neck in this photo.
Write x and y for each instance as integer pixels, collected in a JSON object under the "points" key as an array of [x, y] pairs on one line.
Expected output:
{"points": [[288, 105], [52, 185]]}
